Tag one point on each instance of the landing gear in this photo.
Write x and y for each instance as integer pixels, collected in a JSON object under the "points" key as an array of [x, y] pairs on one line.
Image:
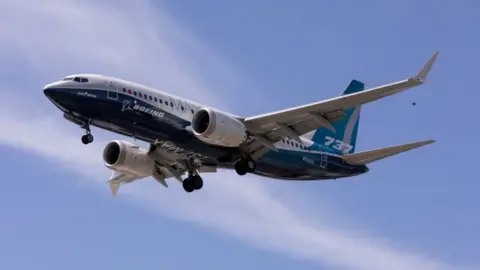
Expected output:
{"points": [[88, 137], [245, 166], [192, 182]]}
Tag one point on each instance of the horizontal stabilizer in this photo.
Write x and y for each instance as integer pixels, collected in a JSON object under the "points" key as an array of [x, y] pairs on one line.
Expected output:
{"points": [[363, 158]]}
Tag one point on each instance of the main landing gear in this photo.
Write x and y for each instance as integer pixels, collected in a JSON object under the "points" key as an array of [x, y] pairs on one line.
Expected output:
{"points": [[245, 166], [192, 182], [88, 137]]}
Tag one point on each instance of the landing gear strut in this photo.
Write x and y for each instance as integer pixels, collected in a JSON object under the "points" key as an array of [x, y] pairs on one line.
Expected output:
{"points": [[245, 166], [88, 137], [192, 182]]}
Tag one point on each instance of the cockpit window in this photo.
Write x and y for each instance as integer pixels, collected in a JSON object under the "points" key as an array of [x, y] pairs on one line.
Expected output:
{"points": [[80, 79], [67, 79]]}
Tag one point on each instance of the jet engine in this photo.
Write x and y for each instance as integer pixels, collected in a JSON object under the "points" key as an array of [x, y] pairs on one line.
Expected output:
{"points": [[218, 128], [126, 157]]}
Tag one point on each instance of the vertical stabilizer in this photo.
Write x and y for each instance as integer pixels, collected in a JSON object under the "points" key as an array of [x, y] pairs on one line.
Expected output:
{"points": [[346, 128]]}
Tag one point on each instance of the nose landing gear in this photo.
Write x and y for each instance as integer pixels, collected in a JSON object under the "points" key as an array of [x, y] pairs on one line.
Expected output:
{"points": [[88, 137]]}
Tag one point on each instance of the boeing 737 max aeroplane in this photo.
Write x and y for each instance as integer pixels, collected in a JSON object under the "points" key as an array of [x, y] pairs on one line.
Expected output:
{"points": [[310, 142]]}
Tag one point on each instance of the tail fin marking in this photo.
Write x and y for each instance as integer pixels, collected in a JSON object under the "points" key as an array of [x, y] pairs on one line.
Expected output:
{"points": [[342, 138]]}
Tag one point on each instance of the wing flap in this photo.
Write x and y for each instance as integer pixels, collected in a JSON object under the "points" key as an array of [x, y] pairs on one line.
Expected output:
{"points": [[363, 158]]}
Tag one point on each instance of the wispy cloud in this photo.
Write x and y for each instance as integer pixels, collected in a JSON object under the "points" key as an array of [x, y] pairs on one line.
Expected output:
{"points": [[53, 38]]}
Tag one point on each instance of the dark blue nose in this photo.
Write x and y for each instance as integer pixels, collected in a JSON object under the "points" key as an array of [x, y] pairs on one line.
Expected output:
{"points": [[52, 90], [49, 89], [57, 95]]}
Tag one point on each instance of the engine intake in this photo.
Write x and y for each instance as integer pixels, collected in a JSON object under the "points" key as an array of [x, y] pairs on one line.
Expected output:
{"points": [[111, 153], [123, 156], [218, 128]]}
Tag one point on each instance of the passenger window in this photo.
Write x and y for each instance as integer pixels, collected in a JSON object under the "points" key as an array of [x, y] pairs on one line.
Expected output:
{"points": [[171, 104], [182, 108], [192, 111], [134, 93], [161, 101], [124, 90], [155, 99], [150, 97], [145, 96]]}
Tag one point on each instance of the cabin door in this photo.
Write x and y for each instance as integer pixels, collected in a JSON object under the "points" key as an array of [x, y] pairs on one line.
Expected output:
{"points": [[112, 91]]}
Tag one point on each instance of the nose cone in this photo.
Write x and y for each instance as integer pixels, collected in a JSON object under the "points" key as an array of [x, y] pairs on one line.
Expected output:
{"points": [[57, 95], [50, 86], [51, 89], [47, 91]]}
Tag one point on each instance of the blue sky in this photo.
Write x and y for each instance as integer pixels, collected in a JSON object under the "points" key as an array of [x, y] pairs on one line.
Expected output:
{"points": [[412, 211]]}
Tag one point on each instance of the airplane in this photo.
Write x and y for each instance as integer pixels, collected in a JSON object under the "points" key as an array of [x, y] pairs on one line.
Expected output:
{"points": [[316, 141]]}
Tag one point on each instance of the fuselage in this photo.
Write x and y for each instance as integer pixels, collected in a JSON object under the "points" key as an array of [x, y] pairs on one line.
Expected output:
{"points": [[150, 115]]}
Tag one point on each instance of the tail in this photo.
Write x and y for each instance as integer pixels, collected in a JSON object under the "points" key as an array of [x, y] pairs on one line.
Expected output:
{"points": [[366, 157], [342, 139]]}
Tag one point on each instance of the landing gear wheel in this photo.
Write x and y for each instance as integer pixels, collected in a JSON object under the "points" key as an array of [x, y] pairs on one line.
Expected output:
{"points": [[87, 138], [197, 182], [191, 183], [243, 166], [188, 185], [240, 168]]}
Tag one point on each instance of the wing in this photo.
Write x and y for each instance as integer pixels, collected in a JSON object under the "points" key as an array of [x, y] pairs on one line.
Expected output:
{"points": [[267, 129], [175, 165], [119, 178]]}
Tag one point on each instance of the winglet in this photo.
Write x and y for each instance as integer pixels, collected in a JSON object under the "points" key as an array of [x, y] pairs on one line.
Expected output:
{"points": [[114, 187], [423, 73]]}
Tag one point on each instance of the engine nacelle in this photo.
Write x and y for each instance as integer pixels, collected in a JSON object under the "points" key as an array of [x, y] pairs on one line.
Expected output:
{"points": [[218, 128], [126, 157]]}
